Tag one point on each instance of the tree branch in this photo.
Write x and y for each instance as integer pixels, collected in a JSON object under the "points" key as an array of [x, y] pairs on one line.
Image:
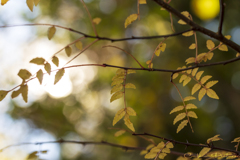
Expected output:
{"points": [[221, 17]]}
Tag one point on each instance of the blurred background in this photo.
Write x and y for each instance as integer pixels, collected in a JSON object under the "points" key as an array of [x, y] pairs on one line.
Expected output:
{"points": [[78, 107]]}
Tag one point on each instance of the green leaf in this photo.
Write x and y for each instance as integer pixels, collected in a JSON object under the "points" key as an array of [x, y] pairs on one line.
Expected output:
{"points": [[68, 51], [24, 74], [130, 111], [3, 94], [47, 67], [79, 45], [55, 60], [130, 85], [59, 75], [51, 32], [40, 76], [38, 61], [116, 95]]}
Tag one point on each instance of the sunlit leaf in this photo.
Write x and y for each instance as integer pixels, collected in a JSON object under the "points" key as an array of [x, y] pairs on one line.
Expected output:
{"points": [[210, 44], [192, 46], [175, 75], [210, 84], [236, 140], [130, 71], [40, 76], [143, 152], [116, 88], [119, 71], [24, 74], [160, 145], [182, 125], [97, 20], [214, 138], [30, 4], [130, 85], [223, 47], [117, 82], [4, 2], [131, 111], [192, 114], [190, 60], [47, 67], [191, 106], [24, 90], [182, 22], [130, 19], [166, 150], [51, 32], [179, 117], [187, 34], [128, 123], [209, 55], [119, 115], [186, 81], [149, 146], [183, 77], [199, 74], [162, 155], [78, 44], [149, 61], [142, 1], [118, 76], [3, 94], [169, 145], [38, 61], [188, 98], [150, 155], [212, 94], [59, 75], [228, 37], [203, 152], [116, 95], [55, 60], [36, 2], [194, 71], [119, 133], [201, 93], [68, 51], [205, 78], [160, 48], [176, 109]]}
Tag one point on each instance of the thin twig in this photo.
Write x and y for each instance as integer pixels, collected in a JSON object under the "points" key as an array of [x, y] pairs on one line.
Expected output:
{"points": [[221, 17]]}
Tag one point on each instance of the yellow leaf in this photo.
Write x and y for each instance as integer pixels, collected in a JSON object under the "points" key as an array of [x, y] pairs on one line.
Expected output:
{"points": [[223, 47], [187, 34], [162, 155], [203, 152], [227, 36], [192, 46], [190, 60], [182, 158], [78, 44], [179, 117], [183, 77], [150, 155], [199, 74], [182, 125], [238, 54], [16, 93], [116, 95], [118, 76], [201, 57], [97, 20], [30, 4], [3, 94], [186, 81], [209, 55], [175, 75], [210, 44], [189, 71], [210, 84], [24, 74], [160, 48], [55, 60], [59, 75], [51, 32], [119, 71], [236, 140], [119, 115], [4, 2], [191, 106], [169, 145], [194, 71], [131, 112], [24, 91], [143, 152], [142, 1], [201, 93], [47, 67], [185, 13], [36, 2], [130, 71], [148, 62], [40, 76], [205, 78], [116, 88], [192, 114], [214, 138], [149, 146], [38, 61], [130, 19], [160, 145], [166, 150], [188, 98], [181, 22], [116, 81], [68, 51], [119, 133], [128, 123], [130, 85], [176, 109], [212, 94]]}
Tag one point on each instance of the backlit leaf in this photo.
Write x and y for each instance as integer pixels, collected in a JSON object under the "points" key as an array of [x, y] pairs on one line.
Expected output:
{"points": [[175, 75], [192, 114], [38, 61], [40, 76], [209, 55], [169, 145], [192, 46], [160, 48], [130, 71], [179, 117], [205, 78], [119, 133], [150, 155], [199, 74], [150, 146], [162, 155], [190, 60], [130, 19], [116, 82], [182, 22], [30, 4], [119, 115], [214, 138], [183, 77], [36, 2], [201, 93], [210, 44], [16, 93], [97, 20], [182, 125], [59, 75], [33, 155], [47, 67], [143, 152], [118, 76], [4, 2], [191, 106], [189, 71], [55, 60], [3, 94], [203, 152], [78, 44], [223, 47], [130, 85], [24, 90], [210, 84], [142, 1], [116, 88], [187, 34], [186, 81], [24, 74], [128, 123], [188, 98], [176, 109], [131, 111], [228, 36], [148, 62], [212, 94], [51, 32], [194, 71], [68, 51], [116, 95]]}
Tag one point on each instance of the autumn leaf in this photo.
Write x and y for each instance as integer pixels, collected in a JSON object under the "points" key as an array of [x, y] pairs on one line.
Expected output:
{"points": [[169, 145], [214, 138], [47, 67], [205, 78], [40, 76], [182, 125], [130, 85], [192, 114], [194, 71], [59, 75], [191, 106], [116, 96], [68, 51], [187, 34], [150, 155], [16, 93], [212, 94], [130, 71], [130, 19], [4, 2], [24, 91], [117, 82], [119, 115], [179, 117], [210, 44], [96, 20], [30, 4], [188, 98], [78, 44], [162, 155], [116, 88], [55, 60], [192, 46], [36, 2], [176, 109], [128, 123], [183, 77], [175, 75], [223, 47], [199, 74], [130, 111], [210, 84], [190, 60], [119, 133], [203, 152], [38, 61], [186, 81], [51, 32], [142, 1], [201, 93], [160, 48], [3, 94], [24, 74]]}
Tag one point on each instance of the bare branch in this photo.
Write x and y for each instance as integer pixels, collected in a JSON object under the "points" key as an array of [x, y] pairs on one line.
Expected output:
{"points": [[221, 17]]}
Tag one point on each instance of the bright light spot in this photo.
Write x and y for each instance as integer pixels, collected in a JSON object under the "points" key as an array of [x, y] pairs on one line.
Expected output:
{"points": [[205, 9]]}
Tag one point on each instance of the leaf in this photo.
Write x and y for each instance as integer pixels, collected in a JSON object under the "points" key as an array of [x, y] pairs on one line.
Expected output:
{"points": [[210, 84], [55, 60], [160, 48], [118, 76], [40, 76], [183, 77], [78, 44], [223, 47], [214, 138], [201, 93], [119, 71], [116, 95], [97, 20], [179, 117], [119, 133], [186, 81], [142, 1], [130, 19], [24, 91], [182, 22], [38, 61], [117, 82], [3, 94], [162, 155], [131, 111], [47, 67], [205, 78], [119, 115], [187, 34], [192, 46], [209, 55], [68, 51], [188, 71], [236, 140], [190, 60], [191, 106], [130, 85], [130, 71], [150, 155], [160, 145], [166, 150], [16, 93], [175, 75], [169, 145], [143, 152], [199, 74], [4, 2], [228, 37], [116, 88], [128, 123], [188, 98], [30, 4], [194, 71], [59, 75], [192, 114], [148, 62], [238, 54], [24, 74], [176, 109], [32, 155], [51, 32], [182, 125], [36, 2], [210, 44], [203, 152], [212, 94]]}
